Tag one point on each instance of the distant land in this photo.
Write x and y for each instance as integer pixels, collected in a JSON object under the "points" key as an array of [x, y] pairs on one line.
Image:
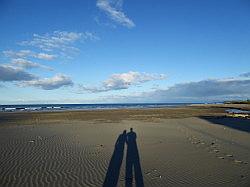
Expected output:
{"points": [[238, 102]]}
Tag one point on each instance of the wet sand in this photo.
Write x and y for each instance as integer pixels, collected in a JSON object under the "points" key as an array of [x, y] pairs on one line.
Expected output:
{"points": [[191, 146]]}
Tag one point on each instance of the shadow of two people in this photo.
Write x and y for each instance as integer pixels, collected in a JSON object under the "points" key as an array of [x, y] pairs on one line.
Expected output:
{"points": [[132, 162]]}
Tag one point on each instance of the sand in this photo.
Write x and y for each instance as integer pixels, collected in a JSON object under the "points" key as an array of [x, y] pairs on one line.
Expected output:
{"points": [[191, 146]]}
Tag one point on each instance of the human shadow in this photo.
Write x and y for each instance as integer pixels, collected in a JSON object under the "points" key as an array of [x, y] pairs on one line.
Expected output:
{"points": [[133, 161], [115, 163]]}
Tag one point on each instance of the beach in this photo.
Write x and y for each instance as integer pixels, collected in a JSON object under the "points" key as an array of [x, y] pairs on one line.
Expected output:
{"points": [[196, 145]]}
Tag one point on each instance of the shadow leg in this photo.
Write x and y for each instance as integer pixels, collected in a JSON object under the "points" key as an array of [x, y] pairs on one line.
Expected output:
{"points": [[129, 170]]}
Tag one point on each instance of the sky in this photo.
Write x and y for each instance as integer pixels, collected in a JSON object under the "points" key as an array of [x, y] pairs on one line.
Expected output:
{"points": [[124, 51]]}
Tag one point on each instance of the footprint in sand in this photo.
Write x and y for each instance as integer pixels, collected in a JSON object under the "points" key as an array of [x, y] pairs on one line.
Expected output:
{"points": [[153, 174], [238, 161], [242, 176], [231, 158], [221, 157], [213, 148]]}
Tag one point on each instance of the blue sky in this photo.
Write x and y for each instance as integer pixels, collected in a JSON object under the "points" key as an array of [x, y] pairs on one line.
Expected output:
{"points": [[104, 51]]}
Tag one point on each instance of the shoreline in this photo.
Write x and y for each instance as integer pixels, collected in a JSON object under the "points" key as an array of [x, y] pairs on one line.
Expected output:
{"points": [[170, 106], [142, 114], [86, 107], [108, 115]]}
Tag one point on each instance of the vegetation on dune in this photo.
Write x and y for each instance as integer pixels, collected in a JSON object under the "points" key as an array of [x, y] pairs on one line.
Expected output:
{"points": [[238, 102]]}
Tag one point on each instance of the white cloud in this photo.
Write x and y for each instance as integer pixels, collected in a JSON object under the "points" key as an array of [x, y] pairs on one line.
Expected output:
{"points": [[201, 91], [123, 81], [111, 8], [55, 82], [44, 56], [245, 74], [10, 73], [211, 88], [28, 53], [58, 40], [26, 64], [17, 54]]}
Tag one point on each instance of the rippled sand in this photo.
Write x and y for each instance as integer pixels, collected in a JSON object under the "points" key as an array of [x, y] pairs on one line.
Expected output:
{"points": [[58, 149]]}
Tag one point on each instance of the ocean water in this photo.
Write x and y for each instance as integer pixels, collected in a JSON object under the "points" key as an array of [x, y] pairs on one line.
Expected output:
{"points": [[60, 107], [237, 111]]}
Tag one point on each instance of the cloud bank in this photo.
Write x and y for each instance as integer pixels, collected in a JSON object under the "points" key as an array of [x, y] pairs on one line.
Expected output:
{"points": [[9, 73], [26, 64], [24, 79], [123, 81], [111, 9], [245, 74], [55, 82], [201, 91]]}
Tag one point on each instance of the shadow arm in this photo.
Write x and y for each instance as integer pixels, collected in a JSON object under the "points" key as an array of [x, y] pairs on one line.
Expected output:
{"points": [[117, 141]]}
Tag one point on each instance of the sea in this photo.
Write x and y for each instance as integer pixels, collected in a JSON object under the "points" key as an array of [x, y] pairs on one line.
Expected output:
{"points": [[62, 107]]}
